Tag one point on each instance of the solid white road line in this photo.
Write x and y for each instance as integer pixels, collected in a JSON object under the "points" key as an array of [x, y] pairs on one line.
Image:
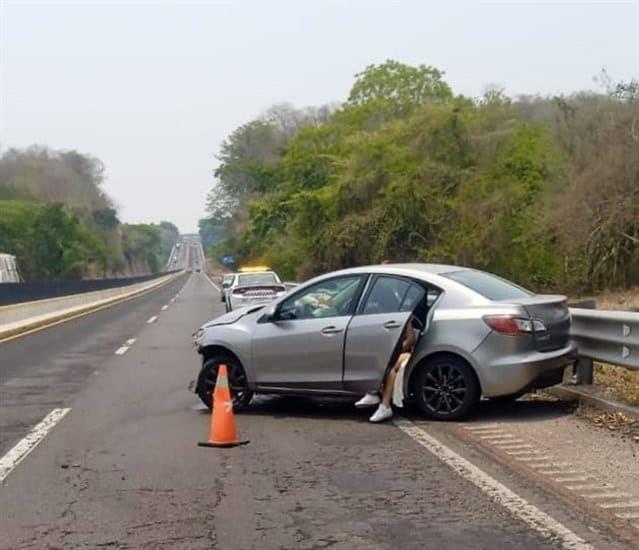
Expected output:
{"points": [[152, 319], [130, 341], [121, 350], [21, 449], [497, 491], [164, 308]]}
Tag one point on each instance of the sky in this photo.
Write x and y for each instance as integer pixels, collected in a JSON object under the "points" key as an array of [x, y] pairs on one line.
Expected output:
{"points": [[152, 88]]}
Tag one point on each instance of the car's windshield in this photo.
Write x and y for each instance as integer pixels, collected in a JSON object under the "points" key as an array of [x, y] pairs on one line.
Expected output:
{"points": [[489, 286], [257, 279]]}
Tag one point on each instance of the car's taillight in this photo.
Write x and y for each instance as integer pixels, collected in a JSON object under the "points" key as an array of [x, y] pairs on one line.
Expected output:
{"points": [[513, 326]]}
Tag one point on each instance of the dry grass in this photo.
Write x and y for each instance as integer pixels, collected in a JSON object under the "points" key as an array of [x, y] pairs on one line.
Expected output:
{"points": [[622, 299], [619, 383], [614, 422]]}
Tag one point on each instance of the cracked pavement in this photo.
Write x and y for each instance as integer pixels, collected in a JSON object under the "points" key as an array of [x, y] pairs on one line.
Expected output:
{"points": [[123, 470]]}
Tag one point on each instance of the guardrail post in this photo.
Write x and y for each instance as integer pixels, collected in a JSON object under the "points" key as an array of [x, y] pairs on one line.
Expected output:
{"points": [[582, 370]]}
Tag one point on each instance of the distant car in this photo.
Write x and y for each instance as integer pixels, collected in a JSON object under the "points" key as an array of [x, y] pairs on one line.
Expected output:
{"points": [[336, 335], [250, 288]]}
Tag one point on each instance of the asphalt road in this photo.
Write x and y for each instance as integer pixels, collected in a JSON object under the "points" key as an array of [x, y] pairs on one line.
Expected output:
{"points": [[123, 470]]}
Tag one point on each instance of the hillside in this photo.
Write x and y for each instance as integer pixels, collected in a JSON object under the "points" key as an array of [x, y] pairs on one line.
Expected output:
{"points": [[59, 223]]}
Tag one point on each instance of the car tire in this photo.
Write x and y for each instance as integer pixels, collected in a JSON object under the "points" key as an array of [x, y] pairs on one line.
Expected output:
{"points": [[446, 388], [238, 382]]}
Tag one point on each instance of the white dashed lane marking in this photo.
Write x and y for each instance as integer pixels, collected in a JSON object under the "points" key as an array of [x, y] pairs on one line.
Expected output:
{"points": [[130, 341], [164, 308], [541, 522], [152, 319], [121, 350], [21, 449]]}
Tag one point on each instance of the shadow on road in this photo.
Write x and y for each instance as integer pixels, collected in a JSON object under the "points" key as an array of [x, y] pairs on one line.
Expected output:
{"points": [[527, 409], [524, 410]]}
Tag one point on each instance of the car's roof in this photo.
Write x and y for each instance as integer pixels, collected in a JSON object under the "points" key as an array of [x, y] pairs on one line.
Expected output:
{"points": [[406, 269]]}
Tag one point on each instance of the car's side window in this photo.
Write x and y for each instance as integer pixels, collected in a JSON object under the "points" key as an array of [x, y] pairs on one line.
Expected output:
{"points": [[329, 298], [412, 298], [386, 296]]}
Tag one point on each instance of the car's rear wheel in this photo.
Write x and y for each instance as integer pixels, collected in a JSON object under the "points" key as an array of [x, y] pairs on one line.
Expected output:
{"points": [[238, 383], [446, 388]]}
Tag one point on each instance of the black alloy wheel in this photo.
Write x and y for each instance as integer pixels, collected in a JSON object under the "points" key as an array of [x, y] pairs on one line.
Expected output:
{"points": [[446, 388], [238, 383]]}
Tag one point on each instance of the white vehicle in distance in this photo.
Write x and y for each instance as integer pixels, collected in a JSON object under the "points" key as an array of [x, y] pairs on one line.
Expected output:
{"points": [[253, 286]]}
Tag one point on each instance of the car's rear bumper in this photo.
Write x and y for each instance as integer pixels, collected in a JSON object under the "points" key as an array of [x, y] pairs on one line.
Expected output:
{"points": [[512, 373]]}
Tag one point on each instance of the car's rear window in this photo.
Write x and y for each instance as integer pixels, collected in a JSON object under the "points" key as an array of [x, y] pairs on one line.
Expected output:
{"points": [[489, 286], [258, 279]]}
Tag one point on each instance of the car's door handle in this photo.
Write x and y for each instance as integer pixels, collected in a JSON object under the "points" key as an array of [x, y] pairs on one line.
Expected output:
{"points": [[392, 324], [327, 331]]}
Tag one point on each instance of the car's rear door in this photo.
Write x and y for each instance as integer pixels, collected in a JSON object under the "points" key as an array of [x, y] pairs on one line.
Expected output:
{"points": [[375, 329], [303, 347]]}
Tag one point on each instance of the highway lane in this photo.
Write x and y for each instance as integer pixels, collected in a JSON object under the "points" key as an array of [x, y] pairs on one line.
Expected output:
{"points": [[123, 470], [47, 368]]}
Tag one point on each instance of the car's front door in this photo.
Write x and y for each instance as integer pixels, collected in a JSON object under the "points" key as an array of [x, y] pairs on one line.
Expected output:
{"points": [[303, 347], [374, 331]]}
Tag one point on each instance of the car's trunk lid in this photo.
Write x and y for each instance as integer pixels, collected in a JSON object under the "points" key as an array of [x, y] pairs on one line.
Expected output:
{"points": [[552, 310]]}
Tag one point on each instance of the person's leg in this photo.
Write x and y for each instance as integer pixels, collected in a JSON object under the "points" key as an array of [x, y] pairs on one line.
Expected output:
{"points": [[389, 383]]}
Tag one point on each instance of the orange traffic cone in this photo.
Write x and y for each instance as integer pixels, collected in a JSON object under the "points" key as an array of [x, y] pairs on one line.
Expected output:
{"points": [[223, 432]]}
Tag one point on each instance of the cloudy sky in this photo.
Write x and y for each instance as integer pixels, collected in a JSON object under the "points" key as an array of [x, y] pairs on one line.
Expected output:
{"points": [[152, 88]]}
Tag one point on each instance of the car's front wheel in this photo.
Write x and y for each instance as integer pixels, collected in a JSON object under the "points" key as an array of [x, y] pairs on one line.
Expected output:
{"points": [[238, 383], [446, 388]]}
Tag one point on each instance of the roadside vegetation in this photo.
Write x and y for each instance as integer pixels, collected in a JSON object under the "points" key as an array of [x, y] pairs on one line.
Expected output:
{"points": [[60, 224], [544, 191]]}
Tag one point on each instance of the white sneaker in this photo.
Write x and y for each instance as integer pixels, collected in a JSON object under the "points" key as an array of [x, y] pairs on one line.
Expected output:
{"points": [[369, 400], [383, 412]]}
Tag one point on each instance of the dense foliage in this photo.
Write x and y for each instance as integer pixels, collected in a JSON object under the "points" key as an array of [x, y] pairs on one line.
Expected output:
{"points": [[544, 191], [58, 222]]}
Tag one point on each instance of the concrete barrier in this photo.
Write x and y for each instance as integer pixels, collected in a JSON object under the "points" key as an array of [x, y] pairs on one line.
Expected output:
{"points": [[24, 317]]}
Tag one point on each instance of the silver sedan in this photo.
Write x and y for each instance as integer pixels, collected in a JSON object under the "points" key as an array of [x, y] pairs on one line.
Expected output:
{"points": [[479, 335]]}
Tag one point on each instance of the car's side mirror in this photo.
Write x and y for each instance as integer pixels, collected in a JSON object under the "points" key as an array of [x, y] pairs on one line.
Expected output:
{"points": [[269, 315], [226, 285]]}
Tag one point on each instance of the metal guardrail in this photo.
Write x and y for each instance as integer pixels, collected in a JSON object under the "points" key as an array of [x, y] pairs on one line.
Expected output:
{"points": [[607, 336]]}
